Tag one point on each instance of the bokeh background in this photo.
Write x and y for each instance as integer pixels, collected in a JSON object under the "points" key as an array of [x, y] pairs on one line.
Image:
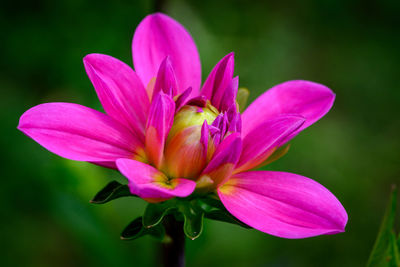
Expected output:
{"points": [[350, 46]]}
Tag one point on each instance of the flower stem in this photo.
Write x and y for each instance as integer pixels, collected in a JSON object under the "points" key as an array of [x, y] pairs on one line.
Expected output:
{"points": [[173, 247]]}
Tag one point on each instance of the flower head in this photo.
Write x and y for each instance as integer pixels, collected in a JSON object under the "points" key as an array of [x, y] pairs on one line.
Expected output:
{"points": [[170, 136]]}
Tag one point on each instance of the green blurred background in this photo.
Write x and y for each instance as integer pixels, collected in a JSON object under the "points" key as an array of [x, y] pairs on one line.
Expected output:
{"points": [[350, 46]]}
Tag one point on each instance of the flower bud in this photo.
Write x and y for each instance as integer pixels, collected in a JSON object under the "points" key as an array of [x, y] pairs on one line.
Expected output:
{"points": [[186, 150]]}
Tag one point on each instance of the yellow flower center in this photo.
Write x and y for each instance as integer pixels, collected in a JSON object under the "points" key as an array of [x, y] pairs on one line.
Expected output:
{"points": [[185, 155]]}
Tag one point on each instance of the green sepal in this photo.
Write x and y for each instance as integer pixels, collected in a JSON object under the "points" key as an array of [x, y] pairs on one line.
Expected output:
{"points": [[155, 212], [210, 202], [381, 251], [225, 216], [215, 210], [111, 191], [193, 219], [241, 98], [135, 229]]}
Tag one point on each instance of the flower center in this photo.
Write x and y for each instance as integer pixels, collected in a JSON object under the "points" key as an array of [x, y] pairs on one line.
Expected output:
{"points": [[186, 148]]}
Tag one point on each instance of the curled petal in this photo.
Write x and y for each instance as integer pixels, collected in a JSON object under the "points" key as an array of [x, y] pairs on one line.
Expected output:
{"points": [[224, 160], [182, 99], [204, 136], [218, 80], [159, 123], [185, 154], [198, 101], [159, 36], [79, 133], [219, 124], [166, 80], [120, 91], [262, 141], [235, 119], [229, 98], [308, 99], [283, 204], [151, 184]]}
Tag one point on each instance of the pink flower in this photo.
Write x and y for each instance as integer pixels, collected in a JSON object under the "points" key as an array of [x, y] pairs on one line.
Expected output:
{"points": [[170, 137]]}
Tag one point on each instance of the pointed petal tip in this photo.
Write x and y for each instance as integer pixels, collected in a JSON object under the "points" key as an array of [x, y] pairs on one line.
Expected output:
{"points": [[159, 35], [283, 204], [230, 57], [78, 133], [311, 100], [90, 58]]}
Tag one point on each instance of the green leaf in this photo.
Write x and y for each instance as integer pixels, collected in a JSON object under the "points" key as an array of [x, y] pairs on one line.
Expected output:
{"points": [[398, 244], [241, 98], [135, 229], [380, 255], [210, 202], [215, 210], [111, 191], [394, 251], [155, 212], [193, 219], [225, 216]]}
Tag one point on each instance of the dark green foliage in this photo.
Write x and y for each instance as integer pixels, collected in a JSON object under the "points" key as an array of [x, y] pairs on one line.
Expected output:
{"points": [[154, 213], [190, 210], [385, 252], [135, 230], [111, 191]]}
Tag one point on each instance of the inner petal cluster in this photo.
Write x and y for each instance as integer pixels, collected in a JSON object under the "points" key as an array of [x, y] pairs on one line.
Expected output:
{"points": [[188, 147]]}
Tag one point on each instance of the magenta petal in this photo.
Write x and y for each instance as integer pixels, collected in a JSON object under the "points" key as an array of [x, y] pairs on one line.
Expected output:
{"points": [[262, 140], [205, 134], [218, 80], [224, 160], [229, 98], [235, 119], [166, 81], [151, 184], [79, 133], [308, 99], [120, 91], [283, 204], [159, 36], [159, 123], [182, 99]]}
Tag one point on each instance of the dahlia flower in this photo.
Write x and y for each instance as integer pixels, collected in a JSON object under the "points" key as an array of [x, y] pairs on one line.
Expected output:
{"points": [[173, 138]]}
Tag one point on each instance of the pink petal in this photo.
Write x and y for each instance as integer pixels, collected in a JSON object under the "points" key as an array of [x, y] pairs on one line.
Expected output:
{"points": [[182, 99], [235, 119], [185, 155], [166, 80], [224, 160], [259, 144], [218, 80], [159, 123], [283, 204], [159, 36], [308, 99], [229, 98], [151, 184], [219, 124], [204, 136], [79, 133], [120, 91]]}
